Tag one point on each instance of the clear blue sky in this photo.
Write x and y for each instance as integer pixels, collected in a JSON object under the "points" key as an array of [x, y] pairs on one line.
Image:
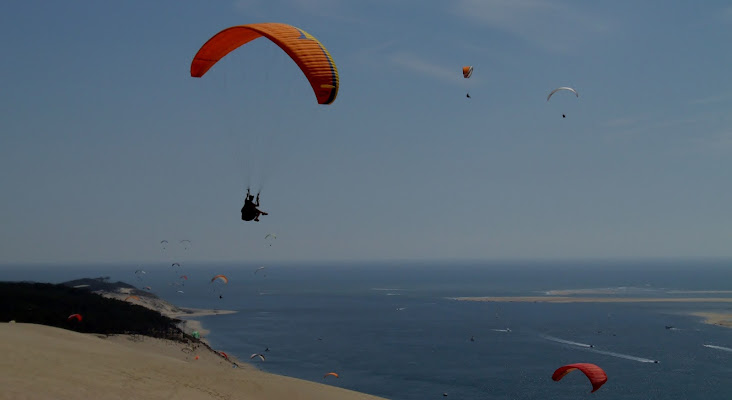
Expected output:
{"points": [[108, 146]]}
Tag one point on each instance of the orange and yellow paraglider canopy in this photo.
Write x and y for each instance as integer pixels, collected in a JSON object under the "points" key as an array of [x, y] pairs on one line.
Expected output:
{"points": [[307, 52]]}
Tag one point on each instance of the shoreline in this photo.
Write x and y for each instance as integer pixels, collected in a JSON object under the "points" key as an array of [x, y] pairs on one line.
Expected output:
{"points": [[570, 299], [185, 315], [714, 318], [190, 325]]}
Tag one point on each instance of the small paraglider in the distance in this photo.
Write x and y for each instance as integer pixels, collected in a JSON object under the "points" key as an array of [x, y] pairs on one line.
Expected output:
{"points": [[467, 73], [562, 88]]}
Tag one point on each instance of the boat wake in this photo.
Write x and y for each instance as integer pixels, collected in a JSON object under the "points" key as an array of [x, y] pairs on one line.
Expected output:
{"points": [[625, 356], [711, 346], [592, 348], [569, 342]]}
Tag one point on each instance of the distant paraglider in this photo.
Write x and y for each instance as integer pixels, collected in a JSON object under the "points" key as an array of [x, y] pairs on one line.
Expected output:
{"points": [[76, 317], [255, 355], [467, 73], [139, 275], [595, 374], [133, 297], [331, 374], [217, 285], [562, 88]]}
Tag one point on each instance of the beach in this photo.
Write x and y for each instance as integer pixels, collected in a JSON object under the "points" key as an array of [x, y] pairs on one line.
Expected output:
{"points": [[42, 362], [185, 315], [567, 299]]}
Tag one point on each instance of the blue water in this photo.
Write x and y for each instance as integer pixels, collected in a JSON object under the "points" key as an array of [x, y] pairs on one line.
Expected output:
{"points": [[391, 329]]}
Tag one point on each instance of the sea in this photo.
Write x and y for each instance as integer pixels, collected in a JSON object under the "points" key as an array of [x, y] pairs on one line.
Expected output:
{"points": [[394, 329]]}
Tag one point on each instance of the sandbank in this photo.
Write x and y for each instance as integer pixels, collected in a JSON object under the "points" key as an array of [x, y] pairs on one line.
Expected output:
{"points": [[715, 318], [41, 362], [567, 299]]}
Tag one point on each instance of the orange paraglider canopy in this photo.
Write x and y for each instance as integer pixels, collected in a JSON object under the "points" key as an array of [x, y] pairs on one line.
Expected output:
{"points": [[307, 52], [595, 374], [467, 72], [135, 297], [330, 374]]}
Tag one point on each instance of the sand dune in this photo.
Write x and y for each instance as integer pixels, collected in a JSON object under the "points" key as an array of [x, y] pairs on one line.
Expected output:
{"points": [[41, 362]]}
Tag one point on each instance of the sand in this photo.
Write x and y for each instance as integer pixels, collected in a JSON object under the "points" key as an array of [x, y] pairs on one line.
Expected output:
{"points": [[187, 325], [565, 299], [41, 362], [715, 318]]}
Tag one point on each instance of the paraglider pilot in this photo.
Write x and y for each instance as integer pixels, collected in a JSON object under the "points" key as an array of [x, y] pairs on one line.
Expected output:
{"points": [[250, 211]]}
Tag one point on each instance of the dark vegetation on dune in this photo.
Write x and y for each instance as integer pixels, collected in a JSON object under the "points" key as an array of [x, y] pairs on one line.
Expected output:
{"points": [[50, 304]]}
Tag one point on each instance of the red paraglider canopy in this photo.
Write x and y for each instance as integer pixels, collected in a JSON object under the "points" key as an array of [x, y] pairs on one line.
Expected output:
{"points": [[74, 316], [596, 375]]}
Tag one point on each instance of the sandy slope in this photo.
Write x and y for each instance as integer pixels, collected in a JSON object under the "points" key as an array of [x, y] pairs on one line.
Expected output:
{"points": [[41, 362]]}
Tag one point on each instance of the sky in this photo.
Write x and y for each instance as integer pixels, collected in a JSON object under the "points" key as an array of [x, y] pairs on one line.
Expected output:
{"points": [[108, 146]]}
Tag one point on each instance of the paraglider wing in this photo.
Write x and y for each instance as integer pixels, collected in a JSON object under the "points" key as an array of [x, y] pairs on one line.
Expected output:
{"points": [[223, 278], [595, 374], [226, 356], [261, 356], [307, 52], [561, 88], [467, 72], [132, 297], [74, 316], [259, 269], [330, 374]]}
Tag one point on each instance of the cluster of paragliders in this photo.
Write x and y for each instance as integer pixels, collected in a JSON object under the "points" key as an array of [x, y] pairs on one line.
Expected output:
{"points": [[318, 66], [306, 51]]}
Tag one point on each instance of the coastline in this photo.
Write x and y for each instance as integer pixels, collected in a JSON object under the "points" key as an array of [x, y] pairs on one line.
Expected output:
{"points": [[187, 324], [569, 299], [190, 325], [714, 318]]}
